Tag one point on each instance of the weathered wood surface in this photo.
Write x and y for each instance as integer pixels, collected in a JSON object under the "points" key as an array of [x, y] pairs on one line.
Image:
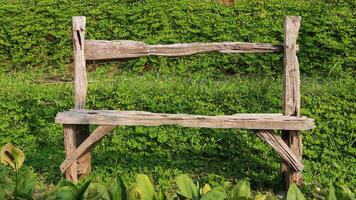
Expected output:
{"points": [[295, 143], [291, 103], [291, 95], [85, 147], [70, 146], [81, 132], [84, 162], [132, 118], [80, 75], [111, 50], [282, 149]]}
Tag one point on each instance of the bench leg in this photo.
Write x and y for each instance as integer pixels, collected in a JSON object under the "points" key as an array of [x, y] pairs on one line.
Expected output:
{"points": [[74, 135], [70, 146], [294, 140], [84, 162]]}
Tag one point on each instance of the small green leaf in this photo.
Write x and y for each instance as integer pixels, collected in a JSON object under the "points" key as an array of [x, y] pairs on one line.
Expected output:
{"points": [[217, 193], [96, 191], [206, 188], [343, 192], [294, 193], [118, 191], [241, 190], [82, 189], [261, 197], [186, 187], [136, 194], [331, 192], [146, 186]]}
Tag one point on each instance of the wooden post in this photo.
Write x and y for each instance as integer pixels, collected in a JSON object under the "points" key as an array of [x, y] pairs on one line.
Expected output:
{"points": [[291, 95], [70, 146], [76, 134]]}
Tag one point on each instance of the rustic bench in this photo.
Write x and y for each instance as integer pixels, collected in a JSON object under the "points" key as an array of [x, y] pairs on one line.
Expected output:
{"points": [[79, 142]]}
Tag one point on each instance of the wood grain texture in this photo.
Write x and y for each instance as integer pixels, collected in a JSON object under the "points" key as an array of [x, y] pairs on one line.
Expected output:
{"points": [[282, 149], [291, 89], [70, 146], [121, 49], [80, 89], [84, 162], [139, 118], [291, 96], [86, 146], [80, 74]]}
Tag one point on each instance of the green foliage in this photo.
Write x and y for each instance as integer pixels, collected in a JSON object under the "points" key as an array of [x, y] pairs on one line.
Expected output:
{"points": [[97, 191], [24, 185], [241, 191], [27, 114], [19, 184], [336, 191], [67, 190], [294, 193], [143, 189], [187, 188], [118, 191], [35, 35]]}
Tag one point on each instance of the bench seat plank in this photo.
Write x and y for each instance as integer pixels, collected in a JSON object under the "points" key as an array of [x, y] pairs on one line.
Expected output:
{"points": [[141, 118]]}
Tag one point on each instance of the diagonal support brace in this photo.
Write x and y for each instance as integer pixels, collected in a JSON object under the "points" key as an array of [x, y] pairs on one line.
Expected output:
{"points": [[86, 146], [282, 149]]}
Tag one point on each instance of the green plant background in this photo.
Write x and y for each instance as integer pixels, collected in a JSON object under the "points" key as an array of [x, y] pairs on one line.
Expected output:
{"points": [[36, 34], [35, 47]]}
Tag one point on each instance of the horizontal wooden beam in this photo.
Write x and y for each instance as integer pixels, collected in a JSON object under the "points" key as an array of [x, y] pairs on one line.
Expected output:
{"points": [[282, 149], [121, 49], [139, 118]]}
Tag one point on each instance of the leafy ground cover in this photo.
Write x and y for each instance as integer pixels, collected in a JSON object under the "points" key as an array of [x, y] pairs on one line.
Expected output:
{"points": [[21, 184], [211, 155], [35, 35]]}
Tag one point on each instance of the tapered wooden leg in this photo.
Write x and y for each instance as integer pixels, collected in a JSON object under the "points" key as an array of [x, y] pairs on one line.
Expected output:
{"points": [[294, 140], [70, 146]]}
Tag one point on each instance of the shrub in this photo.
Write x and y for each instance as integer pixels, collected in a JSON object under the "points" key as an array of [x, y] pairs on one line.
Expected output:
{"points": [[35, 35]]}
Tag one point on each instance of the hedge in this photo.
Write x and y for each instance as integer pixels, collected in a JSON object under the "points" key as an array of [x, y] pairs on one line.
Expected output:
{"points": [[35, 35], [27, 114]]}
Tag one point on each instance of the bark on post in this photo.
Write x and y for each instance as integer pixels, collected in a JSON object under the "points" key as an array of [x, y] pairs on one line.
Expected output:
{"points": [[291, 95], [78, 133]]}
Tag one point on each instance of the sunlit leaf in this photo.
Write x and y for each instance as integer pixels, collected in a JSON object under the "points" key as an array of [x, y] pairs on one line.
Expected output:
{"points": [[294, 193], [186, 187], [10, 155], [217, 193]]}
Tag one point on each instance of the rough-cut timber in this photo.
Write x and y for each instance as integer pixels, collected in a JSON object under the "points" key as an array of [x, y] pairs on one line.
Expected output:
{"points": [[86, 146], [84, 162], [69, 145], [111, 50], [81, 132], [291, 95], [138, 118], [80, 75], [282, 149]]}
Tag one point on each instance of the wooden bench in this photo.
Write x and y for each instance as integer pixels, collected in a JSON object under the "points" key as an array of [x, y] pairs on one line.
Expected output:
{"points": [[79, 142]]}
